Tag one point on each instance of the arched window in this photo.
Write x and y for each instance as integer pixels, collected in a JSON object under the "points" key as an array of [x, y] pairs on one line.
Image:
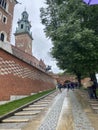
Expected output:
{"points": [[2, 37]]}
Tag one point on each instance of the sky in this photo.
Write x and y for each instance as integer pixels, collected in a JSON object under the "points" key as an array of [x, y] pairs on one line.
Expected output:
{"points": [[41, 44]]}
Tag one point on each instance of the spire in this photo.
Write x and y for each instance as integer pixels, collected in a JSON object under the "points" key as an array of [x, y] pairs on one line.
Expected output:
{"points": [[24, 24], [25, 9]]}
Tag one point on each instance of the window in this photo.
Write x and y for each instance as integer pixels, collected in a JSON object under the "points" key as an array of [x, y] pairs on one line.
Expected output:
{"points": [[28, 28], [2, 37], [3, 4], [0, 15], [4, 19], [21, 26]]}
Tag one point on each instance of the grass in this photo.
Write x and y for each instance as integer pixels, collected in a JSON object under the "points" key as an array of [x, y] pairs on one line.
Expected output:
{"points": [[8, 107]]}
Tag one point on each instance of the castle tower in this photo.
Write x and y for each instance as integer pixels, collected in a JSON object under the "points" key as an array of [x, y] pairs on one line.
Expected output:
{"points": [[6, 18], [23, 36]]}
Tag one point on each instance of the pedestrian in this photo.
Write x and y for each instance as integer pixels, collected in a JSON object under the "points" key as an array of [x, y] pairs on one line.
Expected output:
{"points": [[72, 85], [59, 86], [89, 84], [94, 86]]}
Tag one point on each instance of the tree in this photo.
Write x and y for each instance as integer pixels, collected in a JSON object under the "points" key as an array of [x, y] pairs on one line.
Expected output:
{"points": [[74, 35]]}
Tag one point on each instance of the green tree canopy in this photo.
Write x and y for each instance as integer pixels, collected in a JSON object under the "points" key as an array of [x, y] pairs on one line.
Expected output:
{"points": [[73, 28]]}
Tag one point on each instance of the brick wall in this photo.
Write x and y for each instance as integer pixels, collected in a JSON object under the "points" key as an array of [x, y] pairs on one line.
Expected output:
{"points": [[28, 58], [7, 27], [24, 42], [20, 78]]}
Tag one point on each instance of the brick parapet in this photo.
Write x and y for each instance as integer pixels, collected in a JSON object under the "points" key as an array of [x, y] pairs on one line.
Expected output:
{"points": [[28, 58], [20, 78]]}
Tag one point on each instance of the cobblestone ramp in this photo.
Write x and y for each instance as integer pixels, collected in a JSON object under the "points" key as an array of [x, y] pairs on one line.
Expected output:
{"points": [[81, 121], [51, 119]]}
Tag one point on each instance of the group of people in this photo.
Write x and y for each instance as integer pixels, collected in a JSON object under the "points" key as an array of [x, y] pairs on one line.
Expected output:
{"points": [[90, 85], [68, 85]]}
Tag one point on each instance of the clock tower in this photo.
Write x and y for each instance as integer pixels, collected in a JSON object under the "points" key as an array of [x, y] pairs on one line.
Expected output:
{"points": [[23, 36]]}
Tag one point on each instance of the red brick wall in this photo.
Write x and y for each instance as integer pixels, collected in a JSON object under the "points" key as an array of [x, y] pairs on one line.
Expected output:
{"points": [[20, 78], [25, 56], [22, 41]]}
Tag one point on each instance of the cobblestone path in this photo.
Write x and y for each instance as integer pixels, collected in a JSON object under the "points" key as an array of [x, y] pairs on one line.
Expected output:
{"points": [[81, 121], [50, 122]]}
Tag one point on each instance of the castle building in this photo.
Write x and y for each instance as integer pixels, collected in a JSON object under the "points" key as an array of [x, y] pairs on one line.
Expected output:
{"points": [[21, 74], [23, 36], [6, 18], [23, 43]]}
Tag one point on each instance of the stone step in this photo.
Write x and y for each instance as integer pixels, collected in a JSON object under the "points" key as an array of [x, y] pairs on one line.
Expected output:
{"points": [[32, 108], [14, 120], [94, 104], [26, 113], [43, 102], [95, 108], [93, 101], [38, 105], [9, 129], [46, 100]]}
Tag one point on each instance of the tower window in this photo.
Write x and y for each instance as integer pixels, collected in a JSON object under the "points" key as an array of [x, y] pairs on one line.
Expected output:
{"points": [[2, 37], [21, 26], [4, 19], [0, 15], [3, 4]]}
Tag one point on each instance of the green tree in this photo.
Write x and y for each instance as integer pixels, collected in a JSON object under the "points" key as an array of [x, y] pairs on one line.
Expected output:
{"points": [[70, 25]]}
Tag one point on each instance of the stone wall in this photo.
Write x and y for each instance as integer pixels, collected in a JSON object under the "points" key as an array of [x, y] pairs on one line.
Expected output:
{"points": [[20, 78]]}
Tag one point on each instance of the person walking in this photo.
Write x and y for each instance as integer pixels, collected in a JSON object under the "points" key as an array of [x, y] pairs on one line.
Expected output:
{"points": [[59, 86], [89, 85], [94, 87]]}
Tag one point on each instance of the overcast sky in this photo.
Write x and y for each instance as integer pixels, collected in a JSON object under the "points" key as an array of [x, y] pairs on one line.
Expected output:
{"points": [[41, 44]]}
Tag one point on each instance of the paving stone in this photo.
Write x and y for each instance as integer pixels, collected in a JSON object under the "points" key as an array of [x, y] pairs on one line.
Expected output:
{"points": [[51, 119], [12, 126], [81, 120]]}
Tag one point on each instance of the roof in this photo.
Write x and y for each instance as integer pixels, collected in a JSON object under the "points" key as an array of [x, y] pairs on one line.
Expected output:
{"points": [[16, 1]]}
